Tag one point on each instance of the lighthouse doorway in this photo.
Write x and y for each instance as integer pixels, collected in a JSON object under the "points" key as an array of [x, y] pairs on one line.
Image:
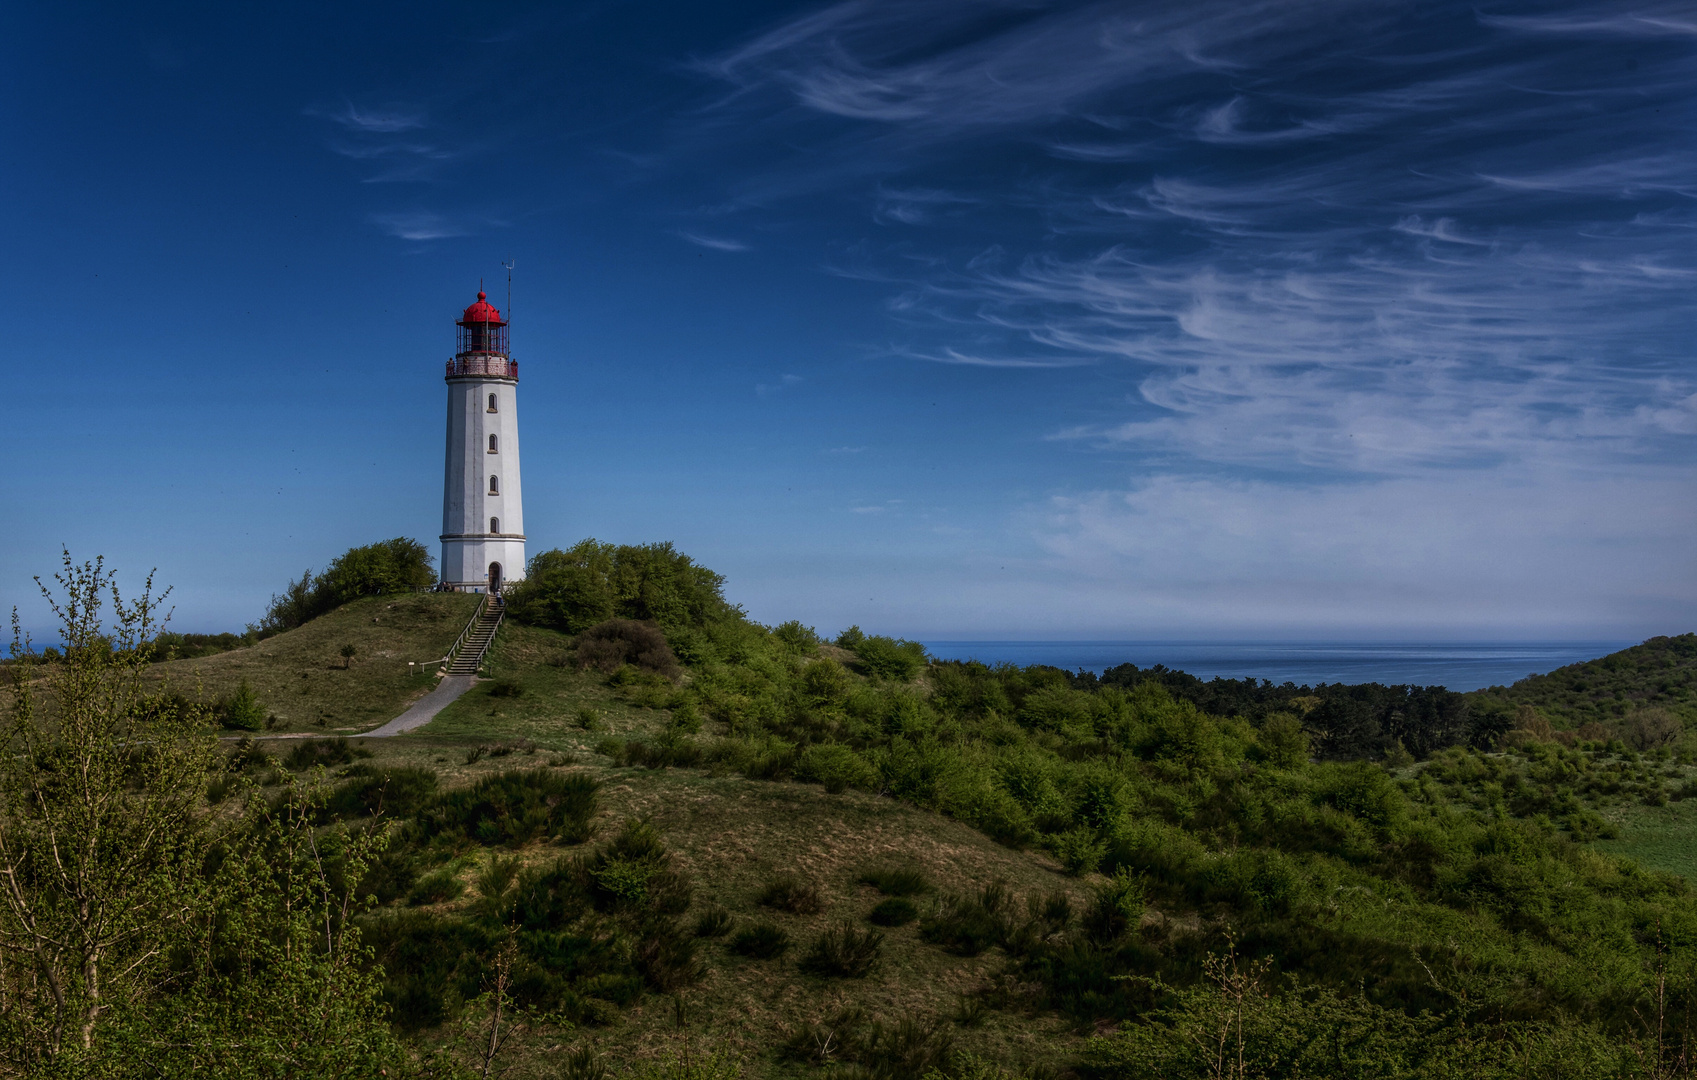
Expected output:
{"points": [[494, 577]]}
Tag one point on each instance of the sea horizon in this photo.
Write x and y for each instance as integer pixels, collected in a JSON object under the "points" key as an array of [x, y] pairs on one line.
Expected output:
{"points": [[1459, 666]]}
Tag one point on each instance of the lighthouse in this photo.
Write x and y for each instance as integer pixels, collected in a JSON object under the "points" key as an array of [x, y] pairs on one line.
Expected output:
{"points": [[482, 507]]}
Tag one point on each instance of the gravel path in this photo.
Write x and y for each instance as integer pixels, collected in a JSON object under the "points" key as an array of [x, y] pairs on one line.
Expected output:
{"points": [[424, 709]]}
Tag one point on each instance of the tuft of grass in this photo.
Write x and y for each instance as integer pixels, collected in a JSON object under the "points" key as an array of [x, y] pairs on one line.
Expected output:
{"points": [[895, 880], [967, 925], [789, 893], [763, 941], [582, 1063], [843, 951], [506, 688], [712, 923], [971, 1012], [879, 1051], [893, 911]]}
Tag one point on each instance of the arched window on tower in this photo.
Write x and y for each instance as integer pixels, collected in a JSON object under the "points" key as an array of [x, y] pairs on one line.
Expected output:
{"points": [[494, 485], [495, 525], [492, 403], [493, 444]]}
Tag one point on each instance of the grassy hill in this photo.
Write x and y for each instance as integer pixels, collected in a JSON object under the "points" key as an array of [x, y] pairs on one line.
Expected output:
{"points": [[660, 833], [1480, 891], [1661, 673]]}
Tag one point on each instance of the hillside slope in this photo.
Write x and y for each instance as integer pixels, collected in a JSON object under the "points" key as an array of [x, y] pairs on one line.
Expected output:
{"points": [[302, 679], [1477, 870], [1087, 860], [1659, 673]]}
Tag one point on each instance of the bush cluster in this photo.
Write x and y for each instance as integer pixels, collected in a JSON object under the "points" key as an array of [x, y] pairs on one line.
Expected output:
{"points": [[884, 657], [514, 808], [593, 582], [589, 934], [1178, 809]]}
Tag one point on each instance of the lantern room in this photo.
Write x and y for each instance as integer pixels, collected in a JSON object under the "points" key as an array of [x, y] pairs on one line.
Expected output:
{"points": [[482, 330]]}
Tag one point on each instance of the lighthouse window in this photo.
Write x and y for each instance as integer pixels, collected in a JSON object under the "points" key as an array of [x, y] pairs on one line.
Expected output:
{"points": [[494, 485], [494, 525], [492, 403], [493, 444]]}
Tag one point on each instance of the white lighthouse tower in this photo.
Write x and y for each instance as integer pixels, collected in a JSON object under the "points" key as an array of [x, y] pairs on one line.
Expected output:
{"points": [[482, 511]]}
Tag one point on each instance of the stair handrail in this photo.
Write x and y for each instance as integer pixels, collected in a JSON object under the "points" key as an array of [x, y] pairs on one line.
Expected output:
{"points": [[453, 649], [500, 616]]}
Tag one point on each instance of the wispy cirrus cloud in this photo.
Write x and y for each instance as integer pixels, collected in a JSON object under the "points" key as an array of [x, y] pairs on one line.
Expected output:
{"points": [[378, 121], [1357, 243], [1357, 250], [714, 243], [386, 138], [420, 225], [951, 355]]}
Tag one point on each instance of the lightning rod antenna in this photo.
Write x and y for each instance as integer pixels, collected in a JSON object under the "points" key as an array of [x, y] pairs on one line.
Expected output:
{"points": [[509, 264]]}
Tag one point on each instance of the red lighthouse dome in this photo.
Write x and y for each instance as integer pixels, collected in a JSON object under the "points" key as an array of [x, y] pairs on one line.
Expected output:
{"points": [[482, 312]]}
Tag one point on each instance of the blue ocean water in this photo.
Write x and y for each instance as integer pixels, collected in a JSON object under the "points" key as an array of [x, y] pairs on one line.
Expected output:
{"points": [[1457, 666]]}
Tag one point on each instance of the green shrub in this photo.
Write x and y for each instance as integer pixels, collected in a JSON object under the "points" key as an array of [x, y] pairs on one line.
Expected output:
{"points": [[911, 1047], [1283, 743], [437, 887], [798, 638], [583, 936], [717, 1064], [515, 808], [1115, 907], [843, 951], [611, 645], [1363, 790], [242, 710], [835, 766], [506, 688], [391, 566], [670, 750], [883, 657], [392, 875], [592, 582], [1079, 850], [825, 681], [393, 791], [307, 753], [762, 940], [967, 925]]}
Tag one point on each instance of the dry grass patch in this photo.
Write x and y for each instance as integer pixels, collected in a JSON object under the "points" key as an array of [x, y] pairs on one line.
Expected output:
{"points": [[300, 677]]}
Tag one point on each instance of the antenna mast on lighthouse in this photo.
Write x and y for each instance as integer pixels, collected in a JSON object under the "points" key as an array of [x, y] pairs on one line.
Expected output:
{"points": [[509, 264]]}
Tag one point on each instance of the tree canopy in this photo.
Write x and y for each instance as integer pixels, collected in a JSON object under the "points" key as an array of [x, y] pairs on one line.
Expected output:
{"points": [[592, 582], [388, 566]]}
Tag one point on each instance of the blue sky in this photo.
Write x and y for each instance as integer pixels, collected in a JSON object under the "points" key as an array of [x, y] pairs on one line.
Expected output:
{"points": [[1132, 320]]}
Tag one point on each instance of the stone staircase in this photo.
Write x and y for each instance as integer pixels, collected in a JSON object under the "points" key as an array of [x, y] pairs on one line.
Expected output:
{"points": [[467, 655]]}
